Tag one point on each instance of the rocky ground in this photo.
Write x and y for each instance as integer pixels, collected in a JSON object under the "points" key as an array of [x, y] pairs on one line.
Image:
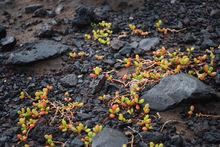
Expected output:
{"points": [[36, 37]]}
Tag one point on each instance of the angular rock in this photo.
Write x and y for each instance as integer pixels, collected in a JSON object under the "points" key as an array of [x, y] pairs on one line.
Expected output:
{"points": [[7, 43], [126, 50], [98, 83], [109, 138], [35, 51], [2, 32], [117, 44], [148, 43], [175, 89], [69, 80], [208, 43], [46, 31], [215, 13], [84, 17], [32, 8]]}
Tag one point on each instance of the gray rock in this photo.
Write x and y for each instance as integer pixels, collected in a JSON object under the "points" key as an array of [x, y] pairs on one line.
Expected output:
{"points": [[175, 89], [148, 43], [35, 51], [84, 17], [215, 13], [97, 84], [7, 43], [126, 50], [117, 44], [69, 80], [46, 31], [208, 43], [32, 8], [109, 138]]}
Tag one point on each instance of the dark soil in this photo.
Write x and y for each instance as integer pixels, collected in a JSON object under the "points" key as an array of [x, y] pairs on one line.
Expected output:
{"points": [[194, 15]]}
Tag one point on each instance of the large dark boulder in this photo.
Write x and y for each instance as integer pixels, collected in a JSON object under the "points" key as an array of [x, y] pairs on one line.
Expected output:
{"points": [[35, 51], [175, 89]]}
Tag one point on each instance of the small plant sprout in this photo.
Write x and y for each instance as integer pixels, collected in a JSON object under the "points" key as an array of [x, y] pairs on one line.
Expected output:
{"points": [[64, 126], [96, 72], [190, 50], [191, 111], [49, 139], [152, 144], [146, 108], [91, 134], [28, 117], [79, 55], [127, 62], [136, 31], [102, 33], [159, 24], [114, 110], [80, 128], [146, 123], [99, 57], [102, 97], [22, 95], [209, 70], [88, 37], [123, 119]]}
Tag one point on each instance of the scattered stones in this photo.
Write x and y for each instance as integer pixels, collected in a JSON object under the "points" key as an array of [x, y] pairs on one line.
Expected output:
{"points": [[149, 43], [109, 138], [212, 136], [69, 80], [35, 51], [84, 17], [97, 84], [7, 43], [3, 32], [32, 8], [215, 13], [172, 90]]}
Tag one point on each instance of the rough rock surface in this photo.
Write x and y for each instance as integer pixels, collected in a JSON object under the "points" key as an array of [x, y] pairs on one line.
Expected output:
{"points": [[31, 52], [173, 90], [69, 80], [148, 43], [109, 138]]}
